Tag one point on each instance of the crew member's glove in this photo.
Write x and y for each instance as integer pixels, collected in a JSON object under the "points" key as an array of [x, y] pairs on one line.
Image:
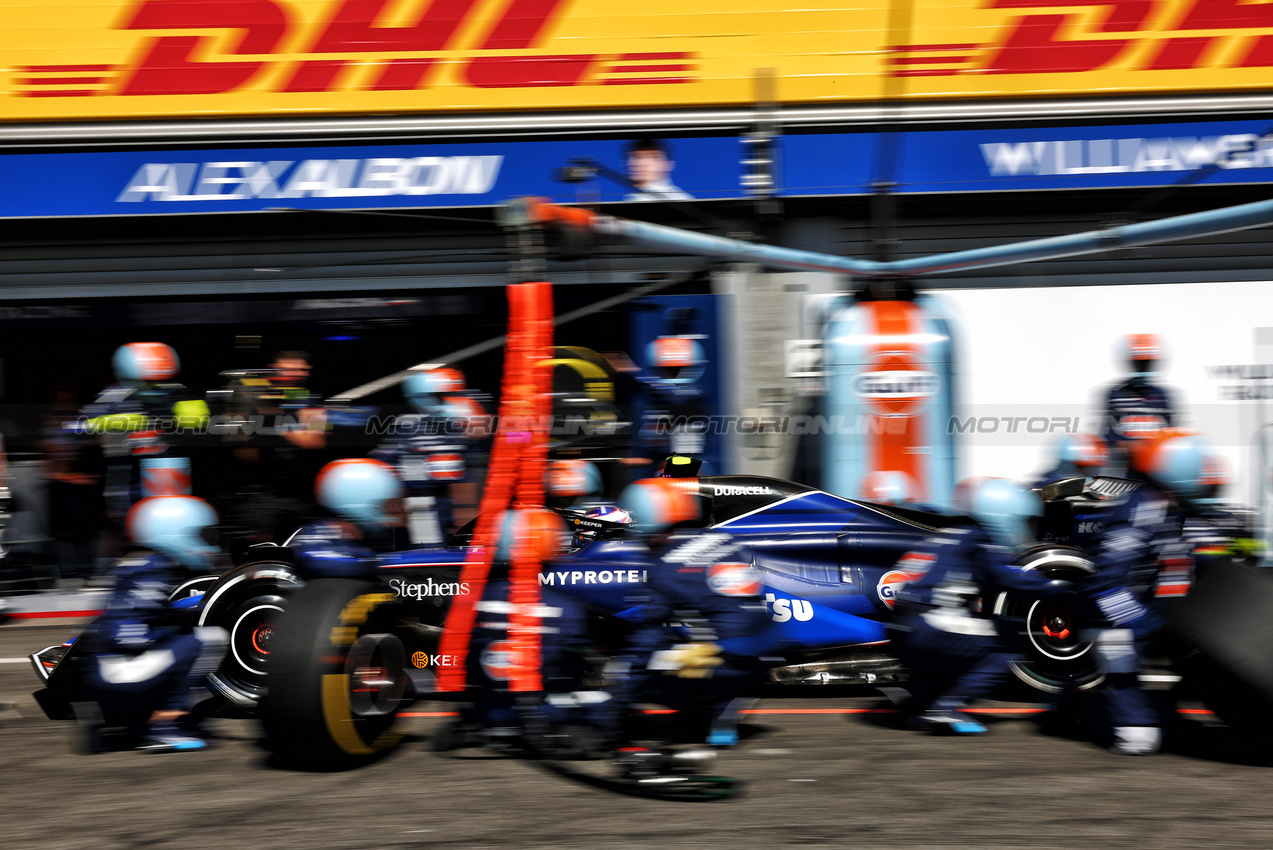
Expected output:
{"points": [[688, 660]]}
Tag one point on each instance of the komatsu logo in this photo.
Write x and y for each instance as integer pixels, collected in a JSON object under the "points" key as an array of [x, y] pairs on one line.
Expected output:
{"points": [[897, 384]]}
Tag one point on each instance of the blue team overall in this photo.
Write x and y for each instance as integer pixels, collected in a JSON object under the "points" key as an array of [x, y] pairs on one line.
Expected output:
{"points": [[428, 451], [704, 638], [145, 657], [1137, 407], [1142, 560], [955, 649]]}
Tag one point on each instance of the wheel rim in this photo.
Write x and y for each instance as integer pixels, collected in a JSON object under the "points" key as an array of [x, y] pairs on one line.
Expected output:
{"points": [[1059, 654], [251, 634], [377, 676]]}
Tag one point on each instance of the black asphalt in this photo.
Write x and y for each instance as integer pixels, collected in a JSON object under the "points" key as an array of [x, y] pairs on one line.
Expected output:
{"points": [[813, 779]]}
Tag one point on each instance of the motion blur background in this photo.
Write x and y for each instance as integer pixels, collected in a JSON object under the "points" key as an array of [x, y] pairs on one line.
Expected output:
{"points": [[239, 178]]}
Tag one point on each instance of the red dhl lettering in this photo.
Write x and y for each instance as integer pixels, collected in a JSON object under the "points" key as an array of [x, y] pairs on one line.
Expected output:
{"points": [[210, 61], [1067, 42]]}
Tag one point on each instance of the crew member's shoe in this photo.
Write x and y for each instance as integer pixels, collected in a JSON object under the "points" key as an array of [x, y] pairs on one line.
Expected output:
{"points": [[1136, 740], [169, 737]]}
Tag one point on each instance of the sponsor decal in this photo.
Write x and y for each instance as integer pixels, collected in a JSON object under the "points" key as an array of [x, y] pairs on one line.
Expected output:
{"points": [[1138, 427], [566, 578], [789, 609], [428, 588], [896, 383], [913, 565], [733, 580], [740, 490], [93, 58], [421, 660], [499, 660]]}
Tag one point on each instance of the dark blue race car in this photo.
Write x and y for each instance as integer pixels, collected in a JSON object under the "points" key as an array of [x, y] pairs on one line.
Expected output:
{"points": [[830, 568]]}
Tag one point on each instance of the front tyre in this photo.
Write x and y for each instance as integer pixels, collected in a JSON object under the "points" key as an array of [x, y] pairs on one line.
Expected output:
{"points": [[337, 676], [247, 602]]}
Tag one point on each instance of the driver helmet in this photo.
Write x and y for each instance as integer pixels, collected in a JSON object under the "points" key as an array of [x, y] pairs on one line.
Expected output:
{"points": [[542, 530], [1174, 459], [360, 490], [423, 390], [172, 526], [887, 487], [1080, 454], [1002, 507], [609, 513], [571, 479], [145, 361], [1143, 353], [657, 504]]}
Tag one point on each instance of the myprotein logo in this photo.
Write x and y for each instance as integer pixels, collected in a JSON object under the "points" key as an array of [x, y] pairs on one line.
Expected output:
{"points": [[896, 383], [364, 45], [428, 589], [569, 578]]}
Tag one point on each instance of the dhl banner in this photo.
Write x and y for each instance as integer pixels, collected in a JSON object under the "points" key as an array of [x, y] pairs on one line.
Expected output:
{"points": [[436, 175], [86, 59]]}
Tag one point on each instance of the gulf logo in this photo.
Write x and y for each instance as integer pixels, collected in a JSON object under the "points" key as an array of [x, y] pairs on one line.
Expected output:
{"points": [[1140, 427], [913, 565], [896, 383], [499, 660], [733, 580], [446, 467]]}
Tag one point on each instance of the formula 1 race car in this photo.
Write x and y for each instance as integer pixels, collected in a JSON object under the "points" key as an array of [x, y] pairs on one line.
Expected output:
{"points": [[344, 656]]}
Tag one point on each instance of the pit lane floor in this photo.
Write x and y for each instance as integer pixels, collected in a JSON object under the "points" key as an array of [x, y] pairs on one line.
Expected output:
{"points": [[830, 779]]}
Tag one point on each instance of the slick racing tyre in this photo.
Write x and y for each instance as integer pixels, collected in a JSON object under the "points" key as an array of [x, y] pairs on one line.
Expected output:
{"points": [[247, 602], [337, 675], [1057, 655], [1220, 637]]}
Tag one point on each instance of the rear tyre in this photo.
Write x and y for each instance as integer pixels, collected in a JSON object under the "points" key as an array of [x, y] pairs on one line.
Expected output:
{"points": [[337, 676], [1220, 637]]}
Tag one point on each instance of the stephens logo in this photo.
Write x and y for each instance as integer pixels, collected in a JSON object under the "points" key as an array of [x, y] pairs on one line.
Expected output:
{"points": [[896, 383], [733, 580], [429, 588]]}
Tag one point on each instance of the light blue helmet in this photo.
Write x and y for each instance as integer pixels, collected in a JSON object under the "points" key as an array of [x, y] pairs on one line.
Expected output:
{"points": [[542, 532], [1176, 460], [145, 361], [425, 390], [358, 489], [1002, 507], [657, 504], [572, 478], [171, 525]]}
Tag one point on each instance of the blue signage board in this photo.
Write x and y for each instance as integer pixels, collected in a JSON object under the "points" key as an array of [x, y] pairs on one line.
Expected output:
{"points": [[1013, 159], [356, 177], [481, 174]]}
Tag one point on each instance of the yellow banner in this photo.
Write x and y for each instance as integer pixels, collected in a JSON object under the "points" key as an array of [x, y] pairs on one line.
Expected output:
{"points": [[83, 59]]}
